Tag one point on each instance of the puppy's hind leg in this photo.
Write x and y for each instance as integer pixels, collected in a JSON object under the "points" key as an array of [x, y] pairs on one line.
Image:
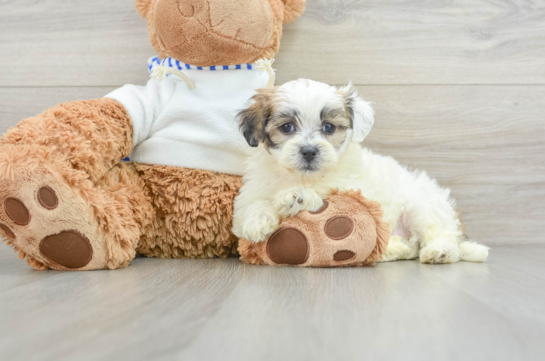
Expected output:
{"points": [[473, 252], [443, 241], [431, 216]]}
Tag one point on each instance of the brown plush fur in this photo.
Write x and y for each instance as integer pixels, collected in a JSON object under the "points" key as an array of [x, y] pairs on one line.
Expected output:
{"points": [[368, 240], [91, 135], [218, 32], [193, 213]]}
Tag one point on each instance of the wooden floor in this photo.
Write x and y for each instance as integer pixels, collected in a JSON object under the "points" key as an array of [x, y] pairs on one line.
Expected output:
{"points": [[225, 310]]}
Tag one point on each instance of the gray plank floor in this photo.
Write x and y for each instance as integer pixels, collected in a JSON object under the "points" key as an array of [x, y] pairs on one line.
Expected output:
{"points": [[225, 310]]}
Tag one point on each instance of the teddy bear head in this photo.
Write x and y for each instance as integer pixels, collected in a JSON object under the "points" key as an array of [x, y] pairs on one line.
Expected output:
{"points": [[217, 32]]}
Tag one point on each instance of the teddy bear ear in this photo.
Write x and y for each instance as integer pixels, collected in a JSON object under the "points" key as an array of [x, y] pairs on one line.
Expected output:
{"points": [[143, 7], [293, 9]]}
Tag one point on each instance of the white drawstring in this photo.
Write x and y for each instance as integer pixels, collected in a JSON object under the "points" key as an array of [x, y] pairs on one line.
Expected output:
{"points": [[266, 65], [159, 72]]}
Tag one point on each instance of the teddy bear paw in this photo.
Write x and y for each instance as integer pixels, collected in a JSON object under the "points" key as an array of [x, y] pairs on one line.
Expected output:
{"points": [[44, 219], [343, 232]]}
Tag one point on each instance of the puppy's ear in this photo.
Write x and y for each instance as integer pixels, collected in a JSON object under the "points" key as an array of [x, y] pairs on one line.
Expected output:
{"points": [[143, 7], [293, 9], [361, 113], [253, 120]]}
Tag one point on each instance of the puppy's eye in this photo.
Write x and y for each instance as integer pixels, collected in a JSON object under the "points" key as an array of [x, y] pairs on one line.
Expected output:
{"points": [[287, 128], [329, 128]]}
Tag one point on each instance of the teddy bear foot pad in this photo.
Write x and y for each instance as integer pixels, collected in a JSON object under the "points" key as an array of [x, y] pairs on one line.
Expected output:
{"points": [[46, 220]]}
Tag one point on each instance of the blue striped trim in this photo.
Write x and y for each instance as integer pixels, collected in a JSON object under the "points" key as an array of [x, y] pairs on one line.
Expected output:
{"points": [[153, 61], [173, 63]]}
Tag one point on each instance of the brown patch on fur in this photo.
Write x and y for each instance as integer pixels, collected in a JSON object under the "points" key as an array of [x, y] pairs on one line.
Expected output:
{"points": [[91, 135], [275, 138], [254, 119], [340, 118], [193, 213], [348, 93]]}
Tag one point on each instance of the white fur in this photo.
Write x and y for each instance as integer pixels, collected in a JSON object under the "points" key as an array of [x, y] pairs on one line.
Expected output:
{"points": [[274, 187]]}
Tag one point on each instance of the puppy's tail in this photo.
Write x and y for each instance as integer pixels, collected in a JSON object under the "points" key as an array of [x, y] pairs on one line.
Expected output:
{"points": [[473, 252]]}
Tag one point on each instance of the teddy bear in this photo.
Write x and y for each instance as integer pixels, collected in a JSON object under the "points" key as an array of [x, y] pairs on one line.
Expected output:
{"points": [[70, 202]]}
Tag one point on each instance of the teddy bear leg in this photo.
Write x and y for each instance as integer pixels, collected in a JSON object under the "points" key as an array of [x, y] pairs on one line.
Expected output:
{"points": [[193, 212], [64, 203], [91, 136], [59, 219], [347, 231]]}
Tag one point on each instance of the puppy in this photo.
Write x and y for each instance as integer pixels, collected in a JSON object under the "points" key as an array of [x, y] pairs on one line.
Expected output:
{"points": [[307, 138]]}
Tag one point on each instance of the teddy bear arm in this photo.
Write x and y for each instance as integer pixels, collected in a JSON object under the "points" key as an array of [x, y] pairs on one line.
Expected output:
{"points": [[91, 135]]}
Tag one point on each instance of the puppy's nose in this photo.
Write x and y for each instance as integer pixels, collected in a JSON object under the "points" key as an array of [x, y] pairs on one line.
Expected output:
{"points": [[309, 153]]}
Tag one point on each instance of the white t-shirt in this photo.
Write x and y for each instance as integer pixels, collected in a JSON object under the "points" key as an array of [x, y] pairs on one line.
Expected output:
{"points": [[192, 128]]}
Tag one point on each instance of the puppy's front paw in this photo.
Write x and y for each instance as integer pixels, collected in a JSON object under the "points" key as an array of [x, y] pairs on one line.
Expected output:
{"points": [[259, 225], [437, 252], [294, 200]]}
